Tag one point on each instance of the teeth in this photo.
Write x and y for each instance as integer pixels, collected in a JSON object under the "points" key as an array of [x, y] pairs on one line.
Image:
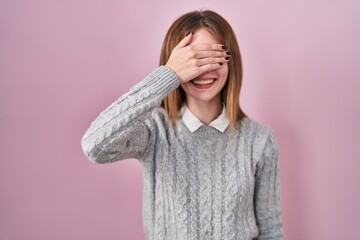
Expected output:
{"points": [[203, 82]]}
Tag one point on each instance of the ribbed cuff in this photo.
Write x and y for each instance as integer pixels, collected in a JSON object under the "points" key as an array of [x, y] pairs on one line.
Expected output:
{"points": [[163, 81]]}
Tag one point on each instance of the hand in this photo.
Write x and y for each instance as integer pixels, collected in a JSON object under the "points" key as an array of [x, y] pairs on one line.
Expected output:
{"points": [[190, 61]]}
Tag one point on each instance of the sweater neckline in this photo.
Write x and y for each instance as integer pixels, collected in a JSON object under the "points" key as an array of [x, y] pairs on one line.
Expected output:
{"points": [[204, 131]]}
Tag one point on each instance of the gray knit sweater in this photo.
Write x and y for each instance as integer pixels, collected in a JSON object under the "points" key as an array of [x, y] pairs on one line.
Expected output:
{"points": [[202, 185]]}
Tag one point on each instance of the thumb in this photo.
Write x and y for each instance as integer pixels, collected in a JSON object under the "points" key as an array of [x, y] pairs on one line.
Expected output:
{"points": [[185, 41]]}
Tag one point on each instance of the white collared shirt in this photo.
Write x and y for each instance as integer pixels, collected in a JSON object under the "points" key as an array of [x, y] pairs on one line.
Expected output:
{"points": [[193, 123]]}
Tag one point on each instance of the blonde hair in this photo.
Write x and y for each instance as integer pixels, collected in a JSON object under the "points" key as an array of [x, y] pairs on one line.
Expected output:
{"points": [[222, 32]]}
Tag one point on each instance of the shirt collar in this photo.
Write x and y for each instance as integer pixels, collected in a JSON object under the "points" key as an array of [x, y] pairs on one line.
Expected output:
{"points": [[193, 123]]}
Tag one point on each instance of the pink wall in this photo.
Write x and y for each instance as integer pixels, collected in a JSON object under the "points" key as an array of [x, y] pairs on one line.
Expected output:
{"points": [[62, 62]]}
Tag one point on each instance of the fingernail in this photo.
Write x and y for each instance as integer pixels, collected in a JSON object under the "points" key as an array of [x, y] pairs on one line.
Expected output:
{"points": [[227, 58], [223, 47], [187, 34], [228, 53], [221, 64]]}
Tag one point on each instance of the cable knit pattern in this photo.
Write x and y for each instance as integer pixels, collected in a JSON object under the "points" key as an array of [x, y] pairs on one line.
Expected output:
{"points": [[181, 193], [193, 193], [205, 189], [159, 205], [202, 185]]}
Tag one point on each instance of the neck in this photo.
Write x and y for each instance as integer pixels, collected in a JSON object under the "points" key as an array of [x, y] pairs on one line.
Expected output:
{"points": [[206, 112]]}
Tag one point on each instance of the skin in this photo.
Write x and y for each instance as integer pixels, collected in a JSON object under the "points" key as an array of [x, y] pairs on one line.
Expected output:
{"points": [[197, 57]]}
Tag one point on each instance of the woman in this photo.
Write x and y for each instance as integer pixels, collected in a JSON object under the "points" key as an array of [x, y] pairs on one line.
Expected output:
{"points": [[210, 172]]}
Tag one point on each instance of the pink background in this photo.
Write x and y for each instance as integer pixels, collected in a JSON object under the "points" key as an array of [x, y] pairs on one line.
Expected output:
{"points": [[62, 62]]}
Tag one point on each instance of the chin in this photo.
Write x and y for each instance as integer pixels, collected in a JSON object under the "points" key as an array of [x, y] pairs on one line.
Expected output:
{"points": [[203, 97]]}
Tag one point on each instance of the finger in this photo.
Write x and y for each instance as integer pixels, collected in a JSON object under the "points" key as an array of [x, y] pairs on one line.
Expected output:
{"points": [[185, 41], [209, 67], [205, 61], [211, 53], [208, 46]]}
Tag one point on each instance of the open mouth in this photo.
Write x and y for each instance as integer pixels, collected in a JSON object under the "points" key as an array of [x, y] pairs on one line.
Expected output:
{"points": [[203, 83]]}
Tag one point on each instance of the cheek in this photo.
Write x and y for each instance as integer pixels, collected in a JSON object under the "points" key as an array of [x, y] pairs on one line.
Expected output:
{"points": [[223, 71], [185, 86]]}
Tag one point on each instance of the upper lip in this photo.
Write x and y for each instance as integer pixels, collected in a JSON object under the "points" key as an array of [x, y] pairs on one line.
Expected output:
{"points": [[206, 77]]}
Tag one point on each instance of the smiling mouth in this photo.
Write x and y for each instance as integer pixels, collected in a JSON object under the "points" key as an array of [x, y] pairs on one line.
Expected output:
{"points": [[203, 83]]}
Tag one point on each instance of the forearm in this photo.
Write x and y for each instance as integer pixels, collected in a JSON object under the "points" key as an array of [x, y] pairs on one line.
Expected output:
{"points": [[119, 131]]}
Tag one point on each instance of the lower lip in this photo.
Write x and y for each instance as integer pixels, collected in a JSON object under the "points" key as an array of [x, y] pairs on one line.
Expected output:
{"points": [[203, 86]]}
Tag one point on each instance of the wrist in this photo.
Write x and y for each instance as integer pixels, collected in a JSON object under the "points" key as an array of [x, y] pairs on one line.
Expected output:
{"points": [[172, 70]]}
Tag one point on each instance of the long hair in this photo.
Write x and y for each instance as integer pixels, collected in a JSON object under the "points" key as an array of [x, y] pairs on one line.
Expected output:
{"points": [[223, 33]]}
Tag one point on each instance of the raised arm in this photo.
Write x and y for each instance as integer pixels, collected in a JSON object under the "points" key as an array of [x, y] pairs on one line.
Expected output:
{"points": [[122, 130], [267, 192]]}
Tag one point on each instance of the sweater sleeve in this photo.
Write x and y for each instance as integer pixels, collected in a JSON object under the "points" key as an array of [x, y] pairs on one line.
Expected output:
{"points": [[122, 131], [267, 192]]}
